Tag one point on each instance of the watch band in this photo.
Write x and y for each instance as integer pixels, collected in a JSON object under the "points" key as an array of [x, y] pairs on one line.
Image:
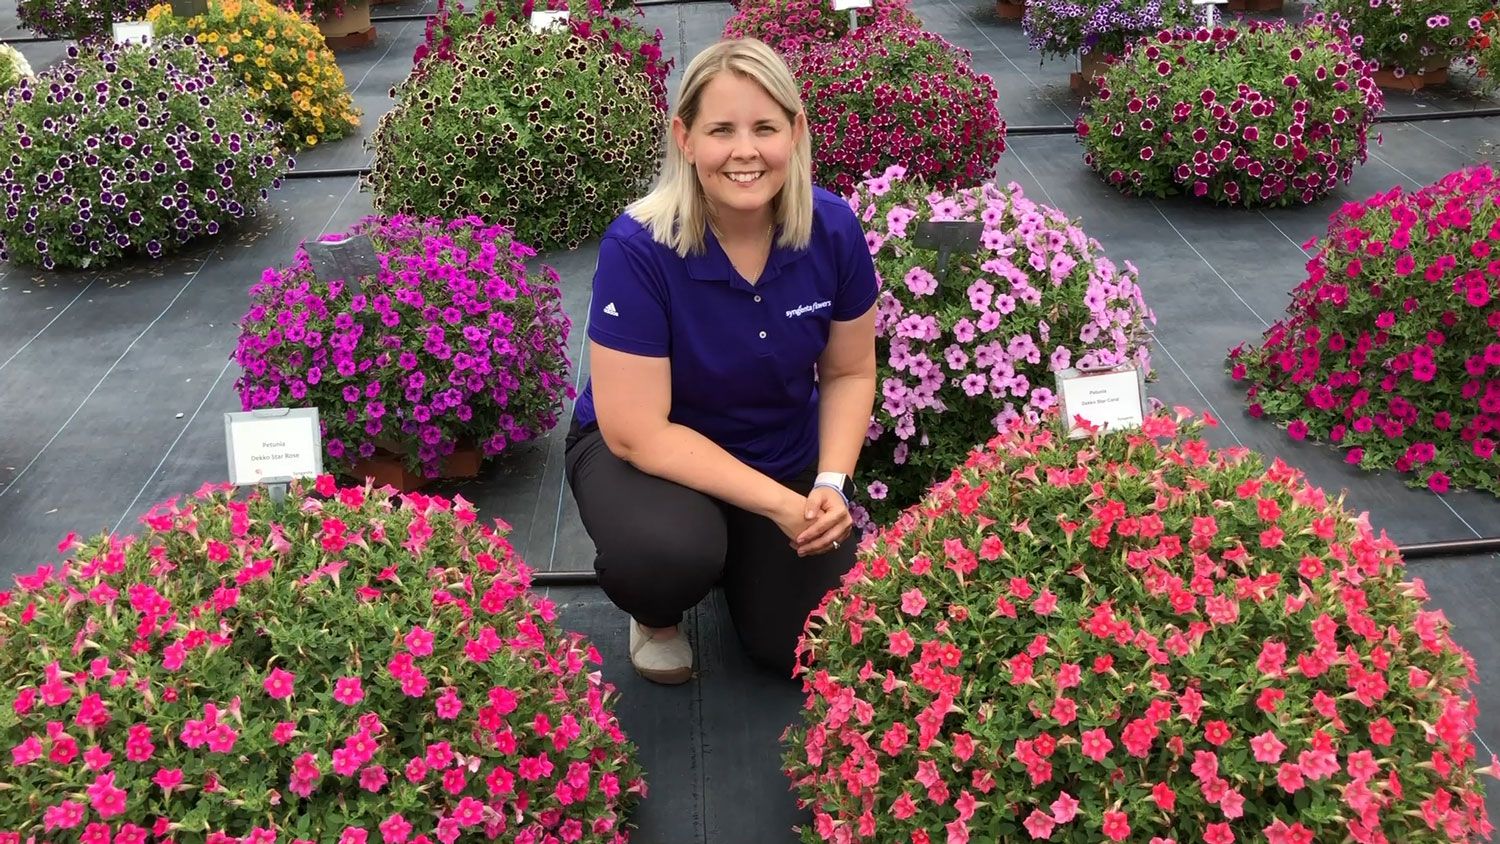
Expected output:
{"points": [[835, 481]]}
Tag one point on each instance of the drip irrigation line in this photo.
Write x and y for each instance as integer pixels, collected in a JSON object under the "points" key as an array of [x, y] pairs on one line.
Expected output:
{"points": [[1485, 545], [1425, 550]]}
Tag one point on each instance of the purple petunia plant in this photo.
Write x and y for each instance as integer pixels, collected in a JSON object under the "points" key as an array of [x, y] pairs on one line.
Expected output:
{"points": [[454, 344], [1098, 27], [119, 151], [964, 356], [85, 20]]}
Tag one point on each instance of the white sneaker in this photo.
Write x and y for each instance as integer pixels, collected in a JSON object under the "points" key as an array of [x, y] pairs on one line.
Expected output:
{"points": [[665, 661]]}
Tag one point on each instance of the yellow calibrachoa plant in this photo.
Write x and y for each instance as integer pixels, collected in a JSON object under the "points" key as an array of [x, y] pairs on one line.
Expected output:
{"points": [[281, 58]]}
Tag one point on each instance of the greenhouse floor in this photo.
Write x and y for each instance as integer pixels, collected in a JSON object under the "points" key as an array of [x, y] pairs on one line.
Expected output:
{"points": [[115, 383]]}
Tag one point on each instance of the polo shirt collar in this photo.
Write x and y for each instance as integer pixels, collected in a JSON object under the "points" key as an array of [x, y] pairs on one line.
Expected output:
{"points": [[712, 264]]}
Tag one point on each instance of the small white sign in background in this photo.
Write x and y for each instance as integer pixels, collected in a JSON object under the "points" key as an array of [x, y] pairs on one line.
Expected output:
{"points": [[1112, 399], [273, 444], [133, 32], [544, 19], [841, 5]]}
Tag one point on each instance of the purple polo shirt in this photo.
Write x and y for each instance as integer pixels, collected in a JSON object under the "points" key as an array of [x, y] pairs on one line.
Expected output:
{"points": [[743, 356]]}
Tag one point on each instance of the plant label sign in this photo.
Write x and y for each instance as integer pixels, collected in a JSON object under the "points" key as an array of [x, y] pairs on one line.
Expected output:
{"points": [[273, 445], [544, 19], [1210, 14], [841, 5], [349, 259], [947, 237], [1112, 399], [133, 32]]}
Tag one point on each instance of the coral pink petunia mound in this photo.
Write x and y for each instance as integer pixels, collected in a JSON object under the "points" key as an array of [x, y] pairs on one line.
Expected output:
{"points": [[1171, 643], [347, 666]]}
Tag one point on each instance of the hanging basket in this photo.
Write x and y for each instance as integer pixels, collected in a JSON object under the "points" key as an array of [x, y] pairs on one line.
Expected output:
{"points": [[1081, 81], [350, 30]]}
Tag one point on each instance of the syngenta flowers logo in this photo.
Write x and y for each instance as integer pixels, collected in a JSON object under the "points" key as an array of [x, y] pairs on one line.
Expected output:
{"points": [[807, 309]]}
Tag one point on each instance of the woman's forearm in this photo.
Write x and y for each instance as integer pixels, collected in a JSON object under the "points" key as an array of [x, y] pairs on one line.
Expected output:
{"points": [[844, 406], [684, 456]]}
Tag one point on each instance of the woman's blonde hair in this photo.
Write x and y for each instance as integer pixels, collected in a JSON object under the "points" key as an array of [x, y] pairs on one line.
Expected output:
{"points": [[675, 210]]}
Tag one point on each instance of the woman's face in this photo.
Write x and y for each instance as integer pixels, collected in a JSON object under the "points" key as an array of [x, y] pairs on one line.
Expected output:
{"points": [[740, 144]]}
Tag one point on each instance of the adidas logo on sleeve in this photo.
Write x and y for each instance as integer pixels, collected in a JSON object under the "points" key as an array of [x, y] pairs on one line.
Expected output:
{"points": [[611, 310]]}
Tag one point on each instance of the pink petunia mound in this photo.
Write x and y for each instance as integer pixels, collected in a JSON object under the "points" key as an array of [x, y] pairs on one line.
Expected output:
{"points": [[1391, 347], [791, 26], [893, 95], [1133, 637], [1255, 114], [346, 667]]}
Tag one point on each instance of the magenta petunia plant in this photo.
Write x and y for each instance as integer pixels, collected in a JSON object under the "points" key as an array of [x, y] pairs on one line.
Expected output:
{"points": [[791, 26], [1259, 113], [1134, 637], [885, 95], [453, 344], [965, 356], [346, 666], [1390, 348]]}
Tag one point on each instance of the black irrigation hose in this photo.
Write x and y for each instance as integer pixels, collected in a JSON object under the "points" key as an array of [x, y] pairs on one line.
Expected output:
{"points": [[1426, 550], [1451, 548]]}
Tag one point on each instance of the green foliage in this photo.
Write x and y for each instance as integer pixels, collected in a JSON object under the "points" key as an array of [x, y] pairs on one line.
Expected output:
{"points": [[550, 134]]}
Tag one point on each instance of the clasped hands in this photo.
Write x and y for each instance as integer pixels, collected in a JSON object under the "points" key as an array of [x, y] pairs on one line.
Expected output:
{"points": [[815, 524]]}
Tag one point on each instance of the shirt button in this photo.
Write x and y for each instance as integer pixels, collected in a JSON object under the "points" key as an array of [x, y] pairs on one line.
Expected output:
{"points": [[763, 335], [757, 298]]}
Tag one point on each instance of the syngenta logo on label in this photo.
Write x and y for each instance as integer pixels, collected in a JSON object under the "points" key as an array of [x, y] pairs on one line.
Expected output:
{"points": [[807, 309]]}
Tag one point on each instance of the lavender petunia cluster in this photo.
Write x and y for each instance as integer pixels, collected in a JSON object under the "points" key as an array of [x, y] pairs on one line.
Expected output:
{"points": [[128, 150], [1065, 27], [454, 342], [963, 356]]}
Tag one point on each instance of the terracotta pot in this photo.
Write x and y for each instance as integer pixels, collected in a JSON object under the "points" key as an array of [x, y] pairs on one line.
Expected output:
{"points": [[1082, 80], [1411, 81], [385, 467], [1010, 10], [1254, 5], [351, 30]]}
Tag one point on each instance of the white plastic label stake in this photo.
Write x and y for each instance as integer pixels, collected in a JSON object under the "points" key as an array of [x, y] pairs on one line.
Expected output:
{"points": [[138, 32], [841, 5], [1210, 14], [277, 443], [1111, 399], [544, 19]]}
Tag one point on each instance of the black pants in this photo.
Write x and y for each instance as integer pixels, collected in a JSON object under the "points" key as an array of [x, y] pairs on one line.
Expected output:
{"points": [[660, 547]]}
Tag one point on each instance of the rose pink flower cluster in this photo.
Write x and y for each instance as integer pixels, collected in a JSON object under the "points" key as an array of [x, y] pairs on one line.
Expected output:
{"points": [[887, 95], [345, 666], [452, 343], [1288, 126], [1391, 347], [1133, 637], [964, 356], [790, 26]]}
